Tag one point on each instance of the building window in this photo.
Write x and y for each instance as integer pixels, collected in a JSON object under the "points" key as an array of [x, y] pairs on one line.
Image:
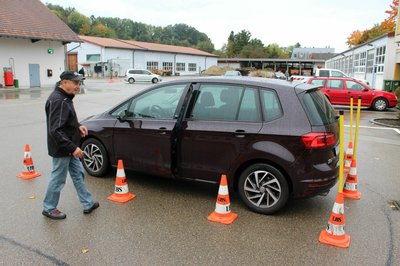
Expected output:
{"points": [[356, 63], [192, 67], [152, 65], [363, 61], [370, 62], [167, 65], [180, 66], [93, 57], [380, 59]]}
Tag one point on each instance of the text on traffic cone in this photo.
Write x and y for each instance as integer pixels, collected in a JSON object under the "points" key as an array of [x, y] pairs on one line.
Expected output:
{"points": [[223, 213], [334, 233], [350, 187], [348, 157], [28, 169], [121, 190]]}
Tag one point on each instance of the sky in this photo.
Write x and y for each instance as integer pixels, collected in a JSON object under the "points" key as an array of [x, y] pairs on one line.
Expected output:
{"points": [[312, 23]]}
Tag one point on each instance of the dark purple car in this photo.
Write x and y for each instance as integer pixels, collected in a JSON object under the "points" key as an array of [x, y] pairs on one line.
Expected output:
{"points": [[273, 138]]}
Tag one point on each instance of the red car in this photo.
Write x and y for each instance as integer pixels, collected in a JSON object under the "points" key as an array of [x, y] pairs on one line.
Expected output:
{"points": [[339, 90]]}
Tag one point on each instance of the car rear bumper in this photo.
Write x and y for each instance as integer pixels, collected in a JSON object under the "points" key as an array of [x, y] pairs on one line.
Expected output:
{"points": [[316, 179]]}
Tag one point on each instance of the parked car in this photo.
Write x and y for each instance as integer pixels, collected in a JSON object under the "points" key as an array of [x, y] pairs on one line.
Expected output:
{"points": [[232, 73], [141, 75], [279, 75], [273, 138], [339, 90]]}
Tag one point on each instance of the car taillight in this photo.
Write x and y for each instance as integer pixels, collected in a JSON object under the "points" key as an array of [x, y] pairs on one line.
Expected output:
{"points": [[318, 140]]}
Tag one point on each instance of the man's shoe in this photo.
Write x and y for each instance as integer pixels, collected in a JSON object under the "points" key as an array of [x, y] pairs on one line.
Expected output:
{"points": [[94, 206], [54, 214]]}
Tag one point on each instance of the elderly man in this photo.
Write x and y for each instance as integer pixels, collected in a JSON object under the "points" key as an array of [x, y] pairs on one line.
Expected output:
{"points": [[63, 139]]}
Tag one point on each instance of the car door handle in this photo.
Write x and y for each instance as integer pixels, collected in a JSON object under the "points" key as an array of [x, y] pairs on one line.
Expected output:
{"points": [[162, 130], [240, 133]]}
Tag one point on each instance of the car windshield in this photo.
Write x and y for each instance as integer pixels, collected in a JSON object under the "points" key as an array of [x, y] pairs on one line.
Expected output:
{"points": [[319, 110]]}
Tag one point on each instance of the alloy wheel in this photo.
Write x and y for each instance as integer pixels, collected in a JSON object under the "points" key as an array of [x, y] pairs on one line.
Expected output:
{"points": [[93, 158], [262, 189]]}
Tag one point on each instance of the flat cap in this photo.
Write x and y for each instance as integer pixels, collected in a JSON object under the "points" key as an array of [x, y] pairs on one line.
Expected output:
{"points": [[70, 75]]}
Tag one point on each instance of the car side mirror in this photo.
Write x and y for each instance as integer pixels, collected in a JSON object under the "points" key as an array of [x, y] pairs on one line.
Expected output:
{"points": [[123, 115], [365, 89]]}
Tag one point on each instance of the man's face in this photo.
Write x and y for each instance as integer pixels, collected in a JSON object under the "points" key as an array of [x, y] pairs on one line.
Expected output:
{"points": [[70, 86]]}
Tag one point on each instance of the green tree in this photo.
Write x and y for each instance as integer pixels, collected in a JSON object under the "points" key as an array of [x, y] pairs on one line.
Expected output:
{"points": [[206, 46], [274, 51], [77, 22], [101, 30]]}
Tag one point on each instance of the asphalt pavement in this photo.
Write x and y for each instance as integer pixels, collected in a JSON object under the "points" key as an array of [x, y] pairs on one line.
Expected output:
{"points": [[166, 224]]}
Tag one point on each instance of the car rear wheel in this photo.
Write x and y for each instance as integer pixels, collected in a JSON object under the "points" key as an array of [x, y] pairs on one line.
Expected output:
{"points": [[95, 160], [380, 104], [154, 80], [263, 188], [131, 81]]}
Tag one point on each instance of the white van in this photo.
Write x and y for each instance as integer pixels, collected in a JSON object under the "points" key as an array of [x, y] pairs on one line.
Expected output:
{"points": [[141, 75], [325, 72]]}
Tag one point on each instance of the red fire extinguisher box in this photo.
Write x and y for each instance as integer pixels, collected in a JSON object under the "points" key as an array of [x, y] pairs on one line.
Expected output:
{"points": [[8, 77]]}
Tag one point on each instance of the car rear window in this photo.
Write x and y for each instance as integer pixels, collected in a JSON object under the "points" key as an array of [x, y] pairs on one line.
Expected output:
{"points": [[318, 109]]}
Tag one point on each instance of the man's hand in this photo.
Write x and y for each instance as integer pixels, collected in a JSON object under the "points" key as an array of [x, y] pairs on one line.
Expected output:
{"points": [[83, 131], [78, 153]]}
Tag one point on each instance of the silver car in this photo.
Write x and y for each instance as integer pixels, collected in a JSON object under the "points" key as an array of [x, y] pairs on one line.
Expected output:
{"points": [[141, 75]]}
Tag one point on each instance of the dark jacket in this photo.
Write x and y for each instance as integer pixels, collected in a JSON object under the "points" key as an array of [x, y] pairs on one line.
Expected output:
{"points": [[62, 124]]}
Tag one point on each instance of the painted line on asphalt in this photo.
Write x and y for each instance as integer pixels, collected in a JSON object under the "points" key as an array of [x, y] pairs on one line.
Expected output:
{"points": [[384, 128]]}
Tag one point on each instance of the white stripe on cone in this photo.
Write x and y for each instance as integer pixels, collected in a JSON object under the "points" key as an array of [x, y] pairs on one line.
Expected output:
{"points": [[336, 230]]}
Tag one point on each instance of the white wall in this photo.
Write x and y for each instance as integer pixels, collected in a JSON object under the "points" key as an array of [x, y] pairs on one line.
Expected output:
{"points": [[24, 52], [202, 62], [124, 58]]}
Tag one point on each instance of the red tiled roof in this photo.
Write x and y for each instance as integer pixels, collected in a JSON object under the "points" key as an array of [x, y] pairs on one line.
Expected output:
{"points": [[108, 42], [169, 48], [33, 20], [147, 46]]}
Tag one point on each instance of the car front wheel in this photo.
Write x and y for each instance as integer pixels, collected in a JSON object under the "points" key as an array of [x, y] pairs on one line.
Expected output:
{"points": [[380, 104], [263, 188], [95, 159]]}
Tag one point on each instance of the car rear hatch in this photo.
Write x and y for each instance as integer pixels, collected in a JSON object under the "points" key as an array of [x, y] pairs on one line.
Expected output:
{"points": [[322, 142]]}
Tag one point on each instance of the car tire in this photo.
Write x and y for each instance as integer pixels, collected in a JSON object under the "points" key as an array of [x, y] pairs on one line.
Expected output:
{"points": [[380, 104], [131, 80], [95, 159], [263, 188], [154, 80]]}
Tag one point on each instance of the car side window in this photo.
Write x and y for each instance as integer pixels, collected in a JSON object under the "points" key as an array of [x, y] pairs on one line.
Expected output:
{"points": [[227, 103], [271, 106], [335, 84], [160, 103], [354, 86], [318, 82], [337, 74]]}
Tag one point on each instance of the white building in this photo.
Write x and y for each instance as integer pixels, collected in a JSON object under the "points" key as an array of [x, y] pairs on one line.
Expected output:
{"points": [[373, 61], [103, 56], [32, 47]]}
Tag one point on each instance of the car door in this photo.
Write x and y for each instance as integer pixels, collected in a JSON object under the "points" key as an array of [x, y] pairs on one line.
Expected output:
{"points": [[220, 125], [143, 137], [356, 89], [335, 91], [145, 76]]}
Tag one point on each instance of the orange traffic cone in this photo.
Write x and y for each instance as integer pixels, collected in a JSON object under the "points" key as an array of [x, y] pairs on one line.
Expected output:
{"points": [[350, 187], [121, 191], [222, 213], [334, 233], [28, 170], [349, 157]]}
